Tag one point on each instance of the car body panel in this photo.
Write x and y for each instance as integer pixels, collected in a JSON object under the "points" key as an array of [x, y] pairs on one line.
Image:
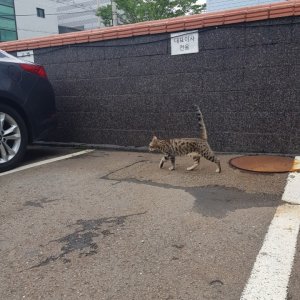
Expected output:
{"points": [[28, 92]]}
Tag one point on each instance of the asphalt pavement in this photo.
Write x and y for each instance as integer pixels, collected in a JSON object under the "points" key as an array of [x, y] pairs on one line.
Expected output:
{"points": [[112, 225]]}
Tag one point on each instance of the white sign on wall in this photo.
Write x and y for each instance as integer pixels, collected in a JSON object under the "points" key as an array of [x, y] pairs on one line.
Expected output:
{"points": [[26, 55], [184, 42]]}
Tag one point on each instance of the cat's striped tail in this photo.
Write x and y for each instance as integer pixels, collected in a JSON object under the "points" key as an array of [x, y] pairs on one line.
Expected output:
{"points": [[203, 133]]}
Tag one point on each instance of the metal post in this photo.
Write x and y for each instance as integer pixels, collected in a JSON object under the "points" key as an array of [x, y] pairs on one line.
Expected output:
{"points": [[114, 13], [98, 5]]}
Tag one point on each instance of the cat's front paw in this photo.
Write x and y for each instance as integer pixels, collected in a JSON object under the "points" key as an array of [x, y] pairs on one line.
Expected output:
{"points": [[172, 168]]}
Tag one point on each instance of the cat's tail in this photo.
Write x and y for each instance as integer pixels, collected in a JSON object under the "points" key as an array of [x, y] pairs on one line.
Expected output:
{"points": [[203, 133]]}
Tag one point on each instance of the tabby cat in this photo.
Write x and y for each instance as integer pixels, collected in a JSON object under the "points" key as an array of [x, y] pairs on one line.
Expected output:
{"points": [[193, 147]]}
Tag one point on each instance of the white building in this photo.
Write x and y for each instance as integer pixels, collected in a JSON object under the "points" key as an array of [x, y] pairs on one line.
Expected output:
{"points": [[80, 13], [216, 5], [36, 18]]}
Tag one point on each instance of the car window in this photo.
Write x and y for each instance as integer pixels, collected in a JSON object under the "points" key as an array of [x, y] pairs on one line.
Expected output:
{"points": [[2, 55], [5, 57]]}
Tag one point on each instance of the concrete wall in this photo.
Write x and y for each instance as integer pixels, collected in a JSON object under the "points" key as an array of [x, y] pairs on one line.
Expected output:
{"points": [[246, 79], [216, 5], [34, 26]]}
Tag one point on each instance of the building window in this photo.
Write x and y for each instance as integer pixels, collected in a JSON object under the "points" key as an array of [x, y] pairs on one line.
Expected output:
{"points": [[8, 31], [7, 24], [7, 35], [40, 12], [7, 2], [7, 12]]}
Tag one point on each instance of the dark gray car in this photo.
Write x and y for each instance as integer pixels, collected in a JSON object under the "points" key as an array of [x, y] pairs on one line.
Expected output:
{"points": [[27, 108]]}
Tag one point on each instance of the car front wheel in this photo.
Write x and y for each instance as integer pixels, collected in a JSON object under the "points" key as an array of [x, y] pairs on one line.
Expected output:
{"points": [[13, 138]]}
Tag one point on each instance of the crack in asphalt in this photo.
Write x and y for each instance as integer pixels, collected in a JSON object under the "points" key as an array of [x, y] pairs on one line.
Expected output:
{"points": [[106, 177]]}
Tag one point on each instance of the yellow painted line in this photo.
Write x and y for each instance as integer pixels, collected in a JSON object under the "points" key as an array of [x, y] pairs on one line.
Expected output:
{"points": [[296, 164]]}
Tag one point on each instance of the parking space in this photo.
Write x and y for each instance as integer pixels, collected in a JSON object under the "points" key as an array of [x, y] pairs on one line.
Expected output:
{"points": [[39, 153], [36, 156], [112, 225]]}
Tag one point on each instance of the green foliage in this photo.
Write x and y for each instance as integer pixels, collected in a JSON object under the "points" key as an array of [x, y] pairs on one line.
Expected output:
{"points": [[134, 11], [106, 15]]}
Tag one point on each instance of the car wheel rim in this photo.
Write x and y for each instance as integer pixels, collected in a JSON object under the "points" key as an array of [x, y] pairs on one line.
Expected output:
{"points": [[10, 138]]}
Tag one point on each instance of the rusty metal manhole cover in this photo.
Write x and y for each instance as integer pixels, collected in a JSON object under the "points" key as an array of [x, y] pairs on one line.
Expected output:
{"points": [[266, 164]]}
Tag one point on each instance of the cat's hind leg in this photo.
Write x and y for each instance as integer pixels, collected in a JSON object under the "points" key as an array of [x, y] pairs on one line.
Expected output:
{"points": [[196, 158], [163, 160], [217, 161], [209, 155], [172, 168]]}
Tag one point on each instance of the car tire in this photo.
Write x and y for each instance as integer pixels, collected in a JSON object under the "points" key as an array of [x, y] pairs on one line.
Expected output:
{"points": [[13, 138]]}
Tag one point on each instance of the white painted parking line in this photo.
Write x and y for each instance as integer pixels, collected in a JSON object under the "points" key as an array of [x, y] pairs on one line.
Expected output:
{"points": [[292, 190], [270, 275], [44, 162], [271, 272]]}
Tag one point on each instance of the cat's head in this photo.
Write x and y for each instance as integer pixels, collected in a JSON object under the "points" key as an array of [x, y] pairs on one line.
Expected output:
{"points": [[153, 144]]}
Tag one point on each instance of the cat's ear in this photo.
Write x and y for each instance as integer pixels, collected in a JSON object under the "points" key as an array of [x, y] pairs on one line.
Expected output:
{"points": [[154, 137]]}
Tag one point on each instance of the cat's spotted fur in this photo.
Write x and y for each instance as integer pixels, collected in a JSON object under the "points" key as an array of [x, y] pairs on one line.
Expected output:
{"points": [[194, 147]]}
